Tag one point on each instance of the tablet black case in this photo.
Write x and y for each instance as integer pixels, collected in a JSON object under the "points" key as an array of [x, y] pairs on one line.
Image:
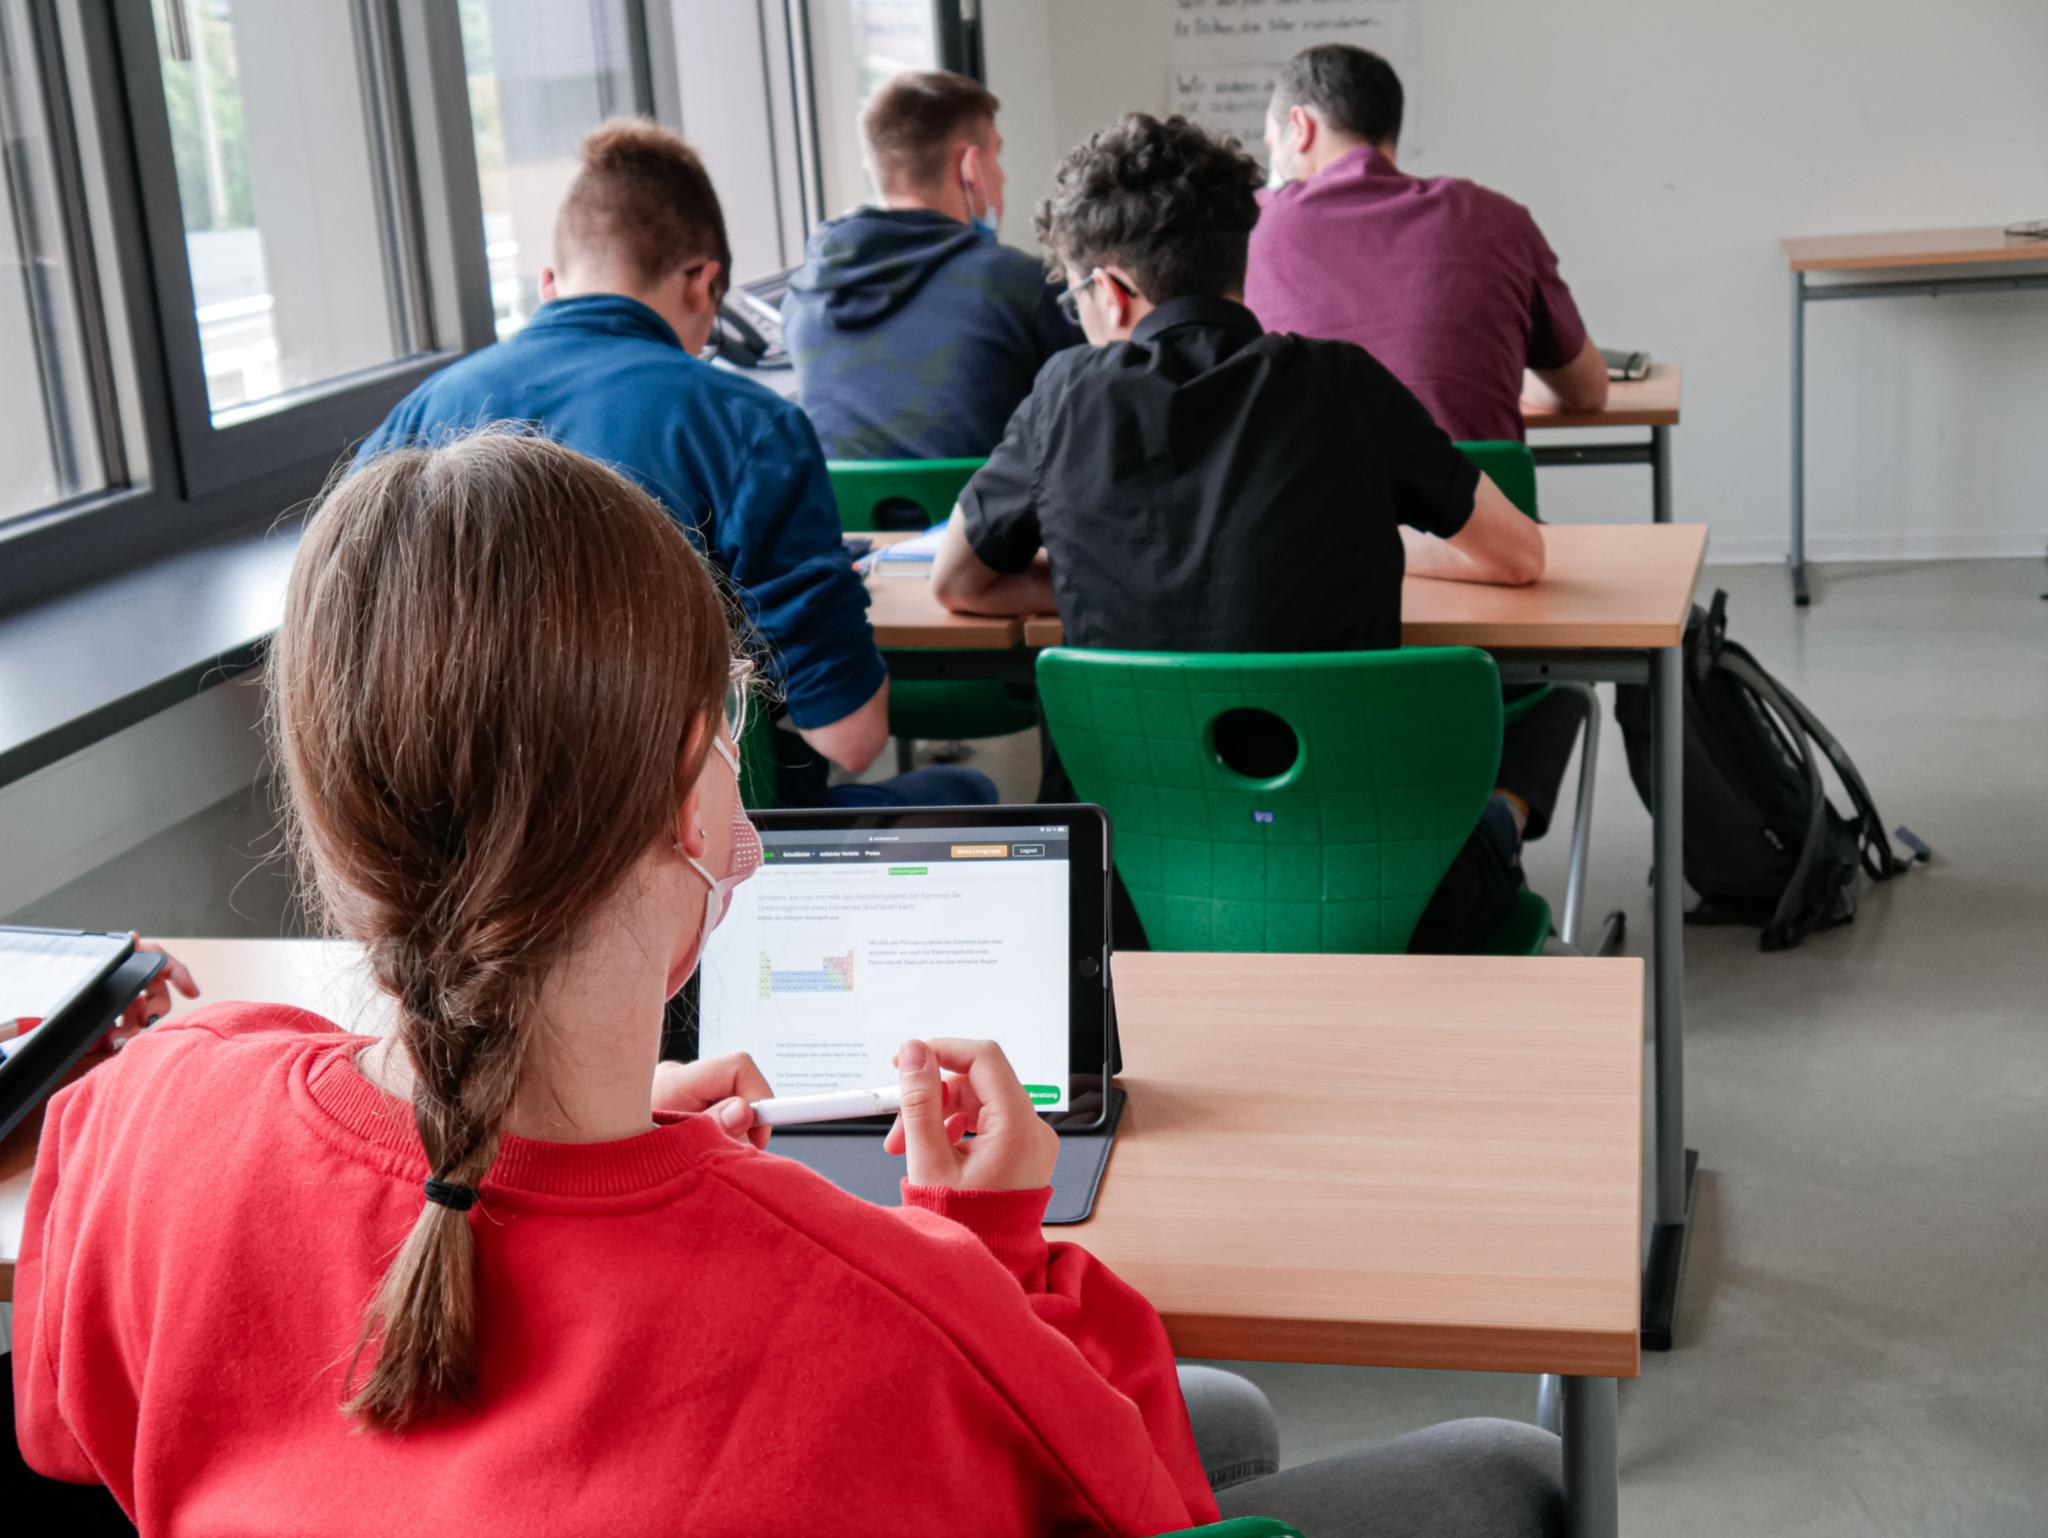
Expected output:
{"points": [[854, 1162], [33, 1070]]}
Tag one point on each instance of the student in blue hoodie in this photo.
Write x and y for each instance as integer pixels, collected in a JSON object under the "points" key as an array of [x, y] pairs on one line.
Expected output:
{"points": [[608, 366], [914, 334]]}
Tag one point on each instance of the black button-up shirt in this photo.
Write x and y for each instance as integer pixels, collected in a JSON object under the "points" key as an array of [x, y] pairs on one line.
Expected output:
{"points": [[1207, 486]]}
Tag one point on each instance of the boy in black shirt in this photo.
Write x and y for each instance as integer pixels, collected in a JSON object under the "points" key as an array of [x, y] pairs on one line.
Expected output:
{"points": [[1192, 483]]}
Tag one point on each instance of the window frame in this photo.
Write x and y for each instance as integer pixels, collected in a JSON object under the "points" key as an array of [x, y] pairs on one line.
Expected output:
{"points": [[174, 481], [960, 34], [305, 423], [99, 438], [203, 482]]}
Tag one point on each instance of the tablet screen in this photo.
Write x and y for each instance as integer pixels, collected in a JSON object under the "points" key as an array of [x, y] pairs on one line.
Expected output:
{"points": [[44, 970], [849, 939]]}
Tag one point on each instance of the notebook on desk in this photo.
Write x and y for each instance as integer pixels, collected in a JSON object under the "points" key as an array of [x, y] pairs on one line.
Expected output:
{"points": [[1623, 364], [912, 557]]}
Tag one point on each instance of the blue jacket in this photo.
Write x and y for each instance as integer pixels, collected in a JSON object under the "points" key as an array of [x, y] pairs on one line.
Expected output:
{"points": [[736, 465], [914, 338]]}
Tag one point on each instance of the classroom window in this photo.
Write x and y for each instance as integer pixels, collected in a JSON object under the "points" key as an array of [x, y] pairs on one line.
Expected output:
{"points": [[857, 47], [286, 190], [542, 74], [890, 36], [50, 431]]}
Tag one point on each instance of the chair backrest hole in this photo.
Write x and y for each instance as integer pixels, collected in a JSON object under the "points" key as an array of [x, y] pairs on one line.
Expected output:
{"points": [[1254, 743], [893, 514]]}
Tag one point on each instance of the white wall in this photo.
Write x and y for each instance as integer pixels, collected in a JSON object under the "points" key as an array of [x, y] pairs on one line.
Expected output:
{"points": [[1666, 146], [163, 827]]}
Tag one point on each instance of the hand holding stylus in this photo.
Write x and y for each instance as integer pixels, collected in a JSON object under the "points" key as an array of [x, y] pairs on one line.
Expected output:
{"points": [[721, 1087], [1013, 1148]]}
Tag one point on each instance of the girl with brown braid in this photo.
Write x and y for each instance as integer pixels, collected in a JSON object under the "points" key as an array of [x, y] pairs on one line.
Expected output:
{"points": [[502, 1272]]}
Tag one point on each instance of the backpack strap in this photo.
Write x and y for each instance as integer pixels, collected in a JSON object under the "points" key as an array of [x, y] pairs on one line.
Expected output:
{"points": [[1874, 849], [1706, 630], [1744, 670]]}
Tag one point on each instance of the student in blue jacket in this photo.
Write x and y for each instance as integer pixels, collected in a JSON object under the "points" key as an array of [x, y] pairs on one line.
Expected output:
{"points": [[914, 334], [608, 365]]}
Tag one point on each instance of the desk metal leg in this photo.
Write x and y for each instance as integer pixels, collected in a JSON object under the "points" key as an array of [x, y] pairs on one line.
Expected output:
{"points": [[1676, 1168], [1592, 1465], [1796, 556], [1550, 1403], [1660, 474]]}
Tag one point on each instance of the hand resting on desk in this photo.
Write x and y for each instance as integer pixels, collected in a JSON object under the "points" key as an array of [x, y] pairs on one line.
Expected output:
{"points": [[1500, 545]]}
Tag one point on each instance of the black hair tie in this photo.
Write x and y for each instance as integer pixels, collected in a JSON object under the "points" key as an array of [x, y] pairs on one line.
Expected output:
{"points": [[446, 1194]]}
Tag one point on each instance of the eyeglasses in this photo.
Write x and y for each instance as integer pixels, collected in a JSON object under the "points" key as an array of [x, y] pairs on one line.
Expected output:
{"points": [[1070, 299], [738, 689]]}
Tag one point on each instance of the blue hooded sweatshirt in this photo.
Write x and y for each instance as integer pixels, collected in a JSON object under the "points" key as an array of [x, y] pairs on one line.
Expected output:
{"points": [[737, 466], [913, 337]]}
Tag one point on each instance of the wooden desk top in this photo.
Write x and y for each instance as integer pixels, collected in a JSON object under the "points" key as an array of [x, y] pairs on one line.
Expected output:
{"points": [[905, 615], [1651, 402], [1606, 587], [1911, 248], [1453, 1179]]}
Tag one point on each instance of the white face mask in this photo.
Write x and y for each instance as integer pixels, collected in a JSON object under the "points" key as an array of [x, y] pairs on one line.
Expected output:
{"points": [[746, 857], [1275, 177]]}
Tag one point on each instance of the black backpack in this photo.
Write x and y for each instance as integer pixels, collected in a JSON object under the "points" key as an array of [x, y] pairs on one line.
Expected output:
{"points": [[1763, 845]]}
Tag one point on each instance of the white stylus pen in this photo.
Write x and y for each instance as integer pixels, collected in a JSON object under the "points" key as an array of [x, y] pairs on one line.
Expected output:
{"points": [[839, 1105]]}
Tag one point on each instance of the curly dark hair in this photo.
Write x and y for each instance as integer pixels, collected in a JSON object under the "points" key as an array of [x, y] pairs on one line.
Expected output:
{"points": [[1172, 203]]}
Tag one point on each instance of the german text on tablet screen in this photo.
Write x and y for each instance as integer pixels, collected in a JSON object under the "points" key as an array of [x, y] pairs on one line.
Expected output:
{"points": [[847, 941]]}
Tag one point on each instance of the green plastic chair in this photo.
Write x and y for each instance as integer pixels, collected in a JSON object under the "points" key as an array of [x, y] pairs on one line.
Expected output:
{"points": [[1240, 1527], [920, 492], [867, 491], [1512, 467], [1339, 849]]}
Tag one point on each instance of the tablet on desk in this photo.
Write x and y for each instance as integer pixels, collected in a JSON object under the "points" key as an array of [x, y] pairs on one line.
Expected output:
{"points": [[44, 972], [865, 927], [73, 986]]}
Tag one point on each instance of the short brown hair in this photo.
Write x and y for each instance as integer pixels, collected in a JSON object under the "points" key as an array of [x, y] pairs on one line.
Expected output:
{"points": [[500, 670], [1170, 201], [643, 197], [916, 118], [1355, 89]]}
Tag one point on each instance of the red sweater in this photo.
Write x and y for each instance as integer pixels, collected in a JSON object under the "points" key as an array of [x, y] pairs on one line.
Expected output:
{"points": [[679, 1334]]}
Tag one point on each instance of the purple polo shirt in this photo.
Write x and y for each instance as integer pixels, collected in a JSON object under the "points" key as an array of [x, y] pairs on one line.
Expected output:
{"points": [[1452, 287]]}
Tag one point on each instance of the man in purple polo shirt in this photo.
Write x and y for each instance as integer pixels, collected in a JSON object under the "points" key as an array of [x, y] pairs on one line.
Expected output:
{"points": [[1449, 285]]}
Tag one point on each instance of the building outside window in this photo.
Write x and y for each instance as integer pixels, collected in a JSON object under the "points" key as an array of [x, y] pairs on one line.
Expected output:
{"points": [[286, 196], [542, 74], [49, 433]]}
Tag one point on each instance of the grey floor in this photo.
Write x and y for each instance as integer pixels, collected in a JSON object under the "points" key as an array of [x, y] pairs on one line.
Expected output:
{"points": [[1863, 1345]]}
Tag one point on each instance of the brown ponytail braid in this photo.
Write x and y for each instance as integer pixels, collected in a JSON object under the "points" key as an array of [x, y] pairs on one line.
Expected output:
{"points": [[492, 689]]}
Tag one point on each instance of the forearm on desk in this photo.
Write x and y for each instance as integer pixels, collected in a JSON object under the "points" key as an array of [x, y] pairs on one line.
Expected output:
{"points": [[1429, 556], [1001, 593]]}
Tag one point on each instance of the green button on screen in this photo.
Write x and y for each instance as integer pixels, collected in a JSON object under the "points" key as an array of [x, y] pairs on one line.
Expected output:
{"points": [[907, 870], [1043, 1094]]}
